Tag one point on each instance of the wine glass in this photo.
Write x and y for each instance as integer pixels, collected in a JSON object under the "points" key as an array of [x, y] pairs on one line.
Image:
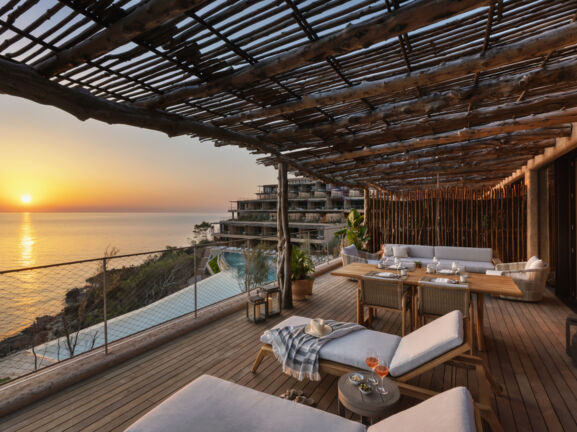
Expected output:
{"points": [[382, 370], [372, 361]]}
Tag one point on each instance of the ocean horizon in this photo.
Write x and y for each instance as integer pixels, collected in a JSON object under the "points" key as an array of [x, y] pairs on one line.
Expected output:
{"points": [[30, 239]]}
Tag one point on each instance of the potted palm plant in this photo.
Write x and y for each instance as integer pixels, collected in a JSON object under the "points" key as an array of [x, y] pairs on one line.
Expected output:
{"points": [[355, 233], [301, 268]]}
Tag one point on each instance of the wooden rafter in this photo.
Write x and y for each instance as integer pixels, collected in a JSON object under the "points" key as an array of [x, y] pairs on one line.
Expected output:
{"points": [[412, 16], [138, 21], [498, 56], [389, 89]]}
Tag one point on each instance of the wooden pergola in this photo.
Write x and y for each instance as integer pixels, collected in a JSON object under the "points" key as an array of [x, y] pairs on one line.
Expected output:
{"points": [[388, 94]]}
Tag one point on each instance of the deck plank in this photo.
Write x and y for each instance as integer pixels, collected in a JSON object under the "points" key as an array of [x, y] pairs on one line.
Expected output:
{"points": [[525, 352]]}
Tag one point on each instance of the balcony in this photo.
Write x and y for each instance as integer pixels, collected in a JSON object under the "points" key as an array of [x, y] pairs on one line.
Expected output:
{"points": [[525, 352]]}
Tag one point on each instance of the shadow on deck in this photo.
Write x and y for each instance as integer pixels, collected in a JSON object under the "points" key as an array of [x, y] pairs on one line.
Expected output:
{"points": [[525, 352]]}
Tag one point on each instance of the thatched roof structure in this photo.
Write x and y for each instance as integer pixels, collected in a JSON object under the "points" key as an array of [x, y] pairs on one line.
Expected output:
{"points": [[389, 93]]}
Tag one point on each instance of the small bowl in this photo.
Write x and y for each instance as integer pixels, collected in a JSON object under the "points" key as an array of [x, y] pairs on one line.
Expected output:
{"points": [[356, 378], [365, 388]]}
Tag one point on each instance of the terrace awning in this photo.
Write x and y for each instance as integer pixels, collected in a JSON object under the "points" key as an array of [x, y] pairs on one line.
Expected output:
{"points": [[391, 94]]}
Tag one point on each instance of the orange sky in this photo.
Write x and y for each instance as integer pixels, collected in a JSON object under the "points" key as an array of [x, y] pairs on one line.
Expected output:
{"points": [[69, 165]]}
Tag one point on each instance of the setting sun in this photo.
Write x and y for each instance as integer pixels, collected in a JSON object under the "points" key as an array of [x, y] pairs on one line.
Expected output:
{"points": [[26, 199]]}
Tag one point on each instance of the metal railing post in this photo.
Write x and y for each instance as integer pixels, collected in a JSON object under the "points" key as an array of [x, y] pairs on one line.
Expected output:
{"points": [[104, 305], [195, 289]]}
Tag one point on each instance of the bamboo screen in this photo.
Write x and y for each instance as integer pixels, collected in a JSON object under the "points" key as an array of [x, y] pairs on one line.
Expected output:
{"points": [[451, 217]]}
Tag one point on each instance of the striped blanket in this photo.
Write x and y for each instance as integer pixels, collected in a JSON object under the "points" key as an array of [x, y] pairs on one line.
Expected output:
{"points": [[298, 352]]}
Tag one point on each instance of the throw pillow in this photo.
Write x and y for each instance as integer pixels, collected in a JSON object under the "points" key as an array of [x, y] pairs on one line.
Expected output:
{"points": [[537, 264], [530, 261], [387, 250], [401, 251]]}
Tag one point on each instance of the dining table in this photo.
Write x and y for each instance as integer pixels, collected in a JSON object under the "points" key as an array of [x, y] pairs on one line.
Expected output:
{"points": [[477, 283]]}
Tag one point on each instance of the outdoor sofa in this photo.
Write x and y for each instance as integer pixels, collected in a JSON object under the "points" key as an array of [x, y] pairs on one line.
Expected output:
{"points": [[210, 404], [434, 344], [474, 260]]}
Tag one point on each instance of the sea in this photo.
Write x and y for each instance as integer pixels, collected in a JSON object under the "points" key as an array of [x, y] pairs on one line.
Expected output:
{"points": [[38, 239]]}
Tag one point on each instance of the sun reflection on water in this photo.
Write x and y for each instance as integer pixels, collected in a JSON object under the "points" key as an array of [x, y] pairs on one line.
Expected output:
{"points": [[27, 242]]}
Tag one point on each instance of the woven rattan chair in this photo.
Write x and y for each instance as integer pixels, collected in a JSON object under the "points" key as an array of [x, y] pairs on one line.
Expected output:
{"points": [[351, 254], [531, 282], [377, 293], [437, 300]]}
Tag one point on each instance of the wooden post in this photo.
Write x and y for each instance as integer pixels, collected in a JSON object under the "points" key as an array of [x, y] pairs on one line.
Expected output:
{"points": [[532, 183], [366, 212], [284, 248], [544, 235]]}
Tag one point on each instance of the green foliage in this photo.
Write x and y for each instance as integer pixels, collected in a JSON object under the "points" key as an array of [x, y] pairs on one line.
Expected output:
{"points": [[256, 269], [4, 380], [301, 264], [213, 263], [355, 232], [203, 226]]}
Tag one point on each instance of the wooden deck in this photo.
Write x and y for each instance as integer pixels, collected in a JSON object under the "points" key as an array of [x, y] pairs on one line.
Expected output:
{"points": [[525, 351]]}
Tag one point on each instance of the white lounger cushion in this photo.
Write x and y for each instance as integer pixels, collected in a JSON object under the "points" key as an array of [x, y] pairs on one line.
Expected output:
{"points": [[427, 343], [350, 349], [404, 354], [210, 404], [450, 411]]}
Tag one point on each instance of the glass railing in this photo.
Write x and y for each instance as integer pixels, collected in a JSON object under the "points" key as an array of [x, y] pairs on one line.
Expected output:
{"points": [[54, 312]]}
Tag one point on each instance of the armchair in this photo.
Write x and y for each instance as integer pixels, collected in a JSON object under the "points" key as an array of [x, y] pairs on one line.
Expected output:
{"points": [[531, 280], [351, 254]]}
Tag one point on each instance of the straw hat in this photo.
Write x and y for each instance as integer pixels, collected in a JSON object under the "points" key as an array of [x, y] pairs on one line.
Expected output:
{"points": [[317, 327]]}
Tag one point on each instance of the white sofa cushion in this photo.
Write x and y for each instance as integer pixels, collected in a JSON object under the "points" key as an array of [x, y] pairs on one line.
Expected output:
{"points": [[530, 261], [415, 251], [450, 411], [427, 343], [350, 349], [212, 404], [420, 251], [464, 253], [351, 250], [401, 251], [387, 250]]}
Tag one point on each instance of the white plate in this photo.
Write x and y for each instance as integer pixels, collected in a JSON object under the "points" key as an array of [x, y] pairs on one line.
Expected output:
{"points": [[446, 271], [387, 275]]}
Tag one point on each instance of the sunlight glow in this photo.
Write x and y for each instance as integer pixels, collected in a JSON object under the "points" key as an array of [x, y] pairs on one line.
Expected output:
{"points": [[26, 199]]}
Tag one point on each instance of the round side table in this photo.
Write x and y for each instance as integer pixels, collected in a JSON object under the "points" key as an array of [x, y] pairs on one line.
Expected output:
{"points": [[372, 406]]}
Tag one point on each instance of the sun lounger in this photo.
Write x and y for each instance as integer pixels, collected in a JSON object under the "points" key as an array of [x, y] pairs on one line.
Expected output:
{"points": [[438, 342], [211, 404]]}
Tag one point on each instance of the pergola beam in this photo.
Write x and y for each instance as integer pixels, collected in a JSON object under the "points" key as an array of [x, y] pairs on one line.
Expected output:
{"points": [[489, 145], [504, 87], [449, 122], [354, 37], [511, 125], [140, 20], [476, 155], [563, 146], [496, 57]]}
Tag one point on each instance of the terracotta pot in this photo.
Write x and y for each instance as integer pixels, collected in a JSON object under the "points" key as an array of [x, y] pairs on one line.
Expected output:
{"points": [[302, 288]]}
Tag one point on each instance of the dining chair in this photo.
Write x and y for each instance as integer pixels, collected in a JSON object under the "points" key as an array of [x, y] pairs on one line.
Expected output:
{"points": [[438, 300], [386, 294]]}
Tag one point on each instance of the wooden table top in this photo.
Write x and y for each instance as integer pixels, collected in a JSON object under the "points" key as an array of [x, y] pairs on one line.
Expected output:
{"points": [[478, 283], [371, 405]]}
